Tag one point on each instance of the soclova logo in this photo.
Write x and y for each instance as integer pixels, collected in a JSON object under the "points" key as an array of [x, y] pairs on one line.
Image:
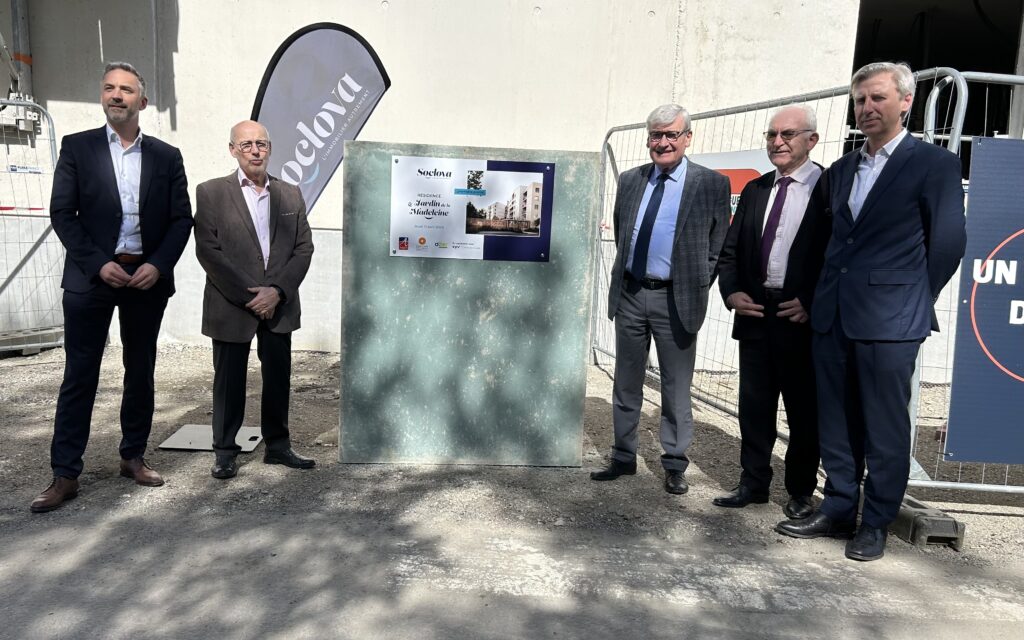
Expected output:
{"points": [[320, 133]]}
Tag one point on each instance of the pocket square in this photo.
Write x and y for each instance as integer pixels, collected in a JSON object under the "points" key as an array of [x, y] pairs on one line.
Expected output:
{"points": [[289, 213]]}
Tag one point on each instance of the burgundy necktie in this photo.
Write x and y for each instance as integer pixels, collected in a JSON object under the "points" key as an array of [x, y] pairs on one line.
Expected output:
{"points": [[771, 226]]}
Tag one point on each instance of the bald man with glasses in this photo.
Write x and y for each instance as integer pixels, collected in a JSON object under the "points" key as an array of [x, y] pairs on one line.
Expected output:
{"points": [[670, 220], [767, 273], [255, 244]]}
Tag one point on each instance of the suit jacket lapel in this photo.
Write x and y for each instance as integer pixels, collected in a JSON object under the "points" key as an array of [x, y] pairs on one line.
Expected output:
{"points": [[105, 165], [240, 207], [146, 174], [275, 211], [893, 165], [847, 171], [632, 204], [760, 208], [691, 185]]}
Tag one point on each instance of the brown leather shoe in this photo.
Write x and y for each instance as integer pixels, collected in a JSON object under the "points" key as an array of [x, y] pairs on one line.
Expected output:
{"points": [[140, 472], [60, 490]]}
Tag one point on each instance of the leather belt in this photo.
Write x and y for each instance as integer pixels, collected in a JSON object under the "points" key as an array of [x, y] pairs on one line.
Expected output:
{"points": [[773, 295], [649, 283], [127, 258]]}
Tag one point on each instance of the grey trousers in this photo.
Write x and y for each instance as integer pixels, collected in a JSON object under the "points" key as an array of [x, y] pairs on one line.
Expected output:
{"points": [[644, 313]]}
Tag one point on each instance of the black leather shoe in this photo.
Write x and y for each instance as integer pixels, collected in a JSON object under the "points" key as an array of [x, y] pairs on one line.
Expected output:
{"points": [[867, 545], [816, 526], [740, 497], [288, 458], [225, 467], [799, 507], [675, 483], [614, 469]]}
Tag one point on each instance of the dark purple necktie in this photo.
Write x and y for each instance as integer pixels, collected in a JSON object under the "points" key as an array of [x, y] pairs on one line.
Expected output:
{"points": [[771, 226], [643, 237]]}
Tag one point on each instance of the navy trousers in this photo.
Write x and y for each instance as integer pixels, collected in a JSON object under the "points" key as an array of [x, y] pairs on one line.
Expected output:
{"points": [[864, 419], [86, 324]]}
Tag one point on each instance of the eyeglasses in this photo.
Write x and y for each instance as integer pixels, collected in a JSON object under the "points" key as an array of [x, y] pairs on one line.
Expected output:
{"points": [[671, 136], [245, 146], [787, 135]]}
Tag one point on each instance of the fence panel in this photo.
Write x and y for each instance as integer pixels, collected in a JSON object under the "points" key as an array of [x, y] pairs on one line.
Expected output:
{"points": [[31, 316]]}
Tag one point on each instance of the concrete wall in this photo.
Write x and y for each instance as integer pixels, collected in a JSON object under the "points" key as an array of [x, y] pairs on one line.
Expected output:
{"points": [[549, 75]]}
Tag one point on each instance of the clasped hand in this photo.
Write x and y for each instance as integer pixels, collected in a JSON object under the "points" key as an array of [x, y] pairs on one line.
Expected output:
{"points": [[115, 276], [745, 306], [265, 302]]}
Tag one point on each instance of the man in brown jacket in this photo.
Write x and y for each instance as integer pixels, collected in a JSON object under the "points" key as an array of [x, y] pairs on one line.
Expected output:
{"points": [[254, 242]]}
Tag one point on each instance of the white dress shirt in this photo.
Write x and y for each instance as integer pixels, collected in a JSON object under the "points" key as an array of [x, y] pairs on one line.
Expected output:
{"points": [[259, 211], [798, 194], [128, 172], [868, 170]]}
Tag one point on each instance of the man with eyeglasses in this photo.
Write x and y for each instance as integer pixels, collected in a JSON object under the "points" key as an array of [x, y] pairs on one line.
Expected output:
{"points": [[670, 219], [898, 235], [767, 273], [254, 242], [120, 207]]}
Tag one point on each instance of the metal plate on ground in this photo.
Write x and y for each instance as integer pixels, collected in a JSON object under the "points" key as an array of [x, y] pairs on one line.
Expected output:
{"points": [[199, 437]]}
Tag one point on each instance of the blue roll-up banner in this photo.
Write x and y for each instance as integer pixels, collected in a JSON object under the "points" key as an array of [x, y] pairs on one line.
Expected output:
{"points": [[986, 413], [318, 91]]}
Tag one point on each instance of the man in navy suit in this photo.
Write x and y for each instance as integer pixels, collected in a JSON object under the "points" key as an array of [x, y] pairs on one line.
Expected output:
{"points": [[767, 273], [897, 238], [670, 220], [120, 206]]}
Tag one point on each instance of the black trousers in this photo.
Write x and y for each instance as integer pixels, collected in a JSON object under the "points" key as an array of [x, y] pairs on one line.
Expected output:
{"points": [[779, 363], [230, 366], [86, 324]]}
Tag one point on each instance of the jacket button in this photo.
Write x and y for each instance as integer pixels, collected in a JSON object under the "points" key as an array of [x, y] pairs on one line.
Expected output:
{"points": [[843, 270], [849, 241]]}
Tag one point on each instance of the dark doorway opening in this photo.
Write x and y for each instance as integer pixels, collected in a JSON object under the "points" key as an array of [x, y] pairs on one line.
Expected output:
{"points": [[967, 35]]}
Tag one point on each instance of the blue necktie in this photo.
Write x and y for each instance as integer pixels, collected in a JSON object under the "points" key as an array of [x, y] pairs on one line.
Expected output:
{"points": [[643, 237]]}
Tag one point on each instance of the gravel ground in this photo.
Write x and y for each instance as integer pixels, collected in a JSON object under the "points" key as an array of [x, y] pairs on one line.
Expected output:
{"points": [[421, 551]]}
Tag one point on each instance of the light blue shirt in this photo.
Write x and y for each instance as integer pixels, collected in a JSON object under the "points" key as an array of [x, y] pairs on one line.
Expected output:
{"points": [[128, 171], [659, 255]]}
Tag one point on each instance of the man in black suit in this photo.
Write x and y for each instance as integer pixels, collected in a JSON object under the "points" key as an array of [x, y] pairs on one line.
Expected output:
{"points": [[120, 206], [670, 218], [897, 237], [767, 272]]}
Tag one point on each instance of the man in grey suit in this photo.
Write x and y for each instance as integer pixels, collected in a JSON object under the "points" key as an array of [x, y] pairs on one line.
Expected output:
{"points": [[670, 221], [254, 242]]}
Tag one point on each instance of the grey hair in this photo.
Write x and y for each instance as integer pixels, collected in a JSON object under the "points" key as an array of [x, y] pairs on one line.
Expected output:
{"points": [[125, 66], [900, 71], [810, 117], [667, 114]]}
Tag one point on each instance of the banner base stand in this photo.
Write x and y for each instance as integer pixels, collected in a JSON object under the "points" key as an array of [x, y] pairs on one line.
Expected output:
{"points": [[199, 437]]}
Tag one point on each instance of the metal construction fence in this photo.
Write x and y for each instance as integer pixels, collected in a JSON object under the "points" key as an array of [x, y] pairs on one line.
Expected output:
{"points": [[31, 316], [939, 116]]}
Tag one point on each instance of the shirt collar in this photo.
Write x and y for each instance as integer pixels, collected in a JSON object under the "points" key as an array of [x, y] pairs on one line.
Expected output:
{"points": [[244, 181], [113, 137], [801, 175], [888, 148], [674, 175]]}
